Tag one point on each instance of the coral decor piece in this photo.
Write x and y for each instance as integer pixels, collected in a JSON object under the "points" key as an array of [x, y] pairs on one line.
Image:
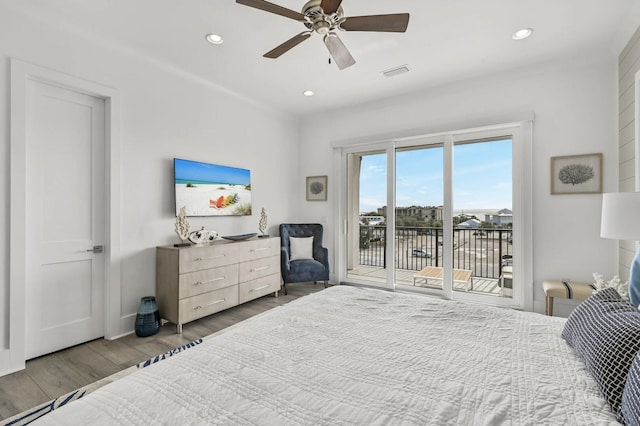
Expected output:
{"points": [[182, 226], [575, 174], [621, 287], [262, 225]]}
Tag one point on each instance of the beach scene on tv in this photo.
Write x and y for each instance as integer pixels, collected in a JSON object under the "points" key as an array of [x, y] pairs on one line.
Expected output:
{"points": [[211, 190]]}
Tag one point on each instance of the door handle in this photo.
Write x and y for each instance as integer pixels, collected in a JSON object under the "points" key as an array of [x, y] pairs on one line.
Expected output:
{"points": [[97, 249]]}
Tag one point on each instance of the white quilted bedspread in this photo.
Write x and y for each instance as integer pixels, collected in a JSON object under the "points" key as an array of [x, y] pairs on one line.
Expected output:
{"points": [[353, 356]]}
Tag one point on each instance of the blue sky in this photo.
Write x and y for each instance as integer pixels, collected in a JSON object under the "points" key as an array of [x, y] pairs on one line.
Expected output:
{"points": [[482, 177], [193, 170]]}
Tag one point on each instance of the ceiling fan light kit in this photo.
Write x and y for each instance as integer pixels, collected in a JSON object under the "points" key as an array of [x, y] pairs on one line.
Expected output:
{"points": [[325, 17], [338, 51]]}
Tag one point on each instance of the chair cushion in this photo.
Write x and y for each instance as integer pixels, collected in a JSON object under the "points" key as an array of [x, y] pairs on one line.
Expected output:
{"points": [[301, 248], [630, 408], [605, 332]]}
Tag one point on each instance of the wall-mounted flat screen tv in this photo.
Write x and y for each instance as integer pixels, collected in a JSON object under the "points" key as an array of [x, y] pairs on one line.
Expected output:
{"points": [[211, 190]]}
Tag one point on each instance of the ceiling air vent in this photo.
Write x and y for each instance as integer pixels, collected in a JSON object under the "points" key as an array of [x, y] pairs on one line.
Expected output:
{"points": [[396, 71]]}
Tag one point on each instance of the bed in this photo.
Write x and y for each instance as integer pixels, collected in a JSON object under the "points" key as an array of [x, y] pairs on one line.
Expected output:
{"points": [[355, 356]]}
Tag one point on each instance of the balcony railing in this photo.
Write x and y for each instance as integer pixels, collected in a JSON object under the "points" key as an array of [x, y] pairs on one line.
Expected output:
{"points": [[483, 251]]}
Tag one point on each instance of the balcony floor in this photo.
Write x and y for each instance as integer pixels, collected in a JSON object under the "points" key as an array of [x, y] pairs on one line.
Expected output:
{"points": [[405, 277]]}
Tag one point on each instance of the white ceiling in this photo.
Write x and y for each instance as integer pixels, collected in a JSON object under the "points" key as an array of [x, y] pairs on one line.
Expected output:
{"points": [[446, 41]]}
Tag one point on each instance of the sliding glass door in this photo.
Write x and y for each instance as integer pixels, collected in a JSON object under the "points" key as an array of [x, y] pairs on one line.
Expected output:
{"points": [[436, 214], [366, 248], [483, 215], [419, 215]]}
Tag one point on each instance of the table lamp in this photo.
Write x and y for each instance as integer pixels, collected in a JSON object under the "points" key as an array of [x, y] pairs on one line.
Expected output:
{"points": [[621, 221]]}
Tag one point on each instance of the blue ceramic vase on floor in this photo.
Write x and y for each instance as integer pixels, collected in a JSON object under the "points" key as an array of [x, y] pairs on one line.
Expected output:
{"points": [[148, 317]]}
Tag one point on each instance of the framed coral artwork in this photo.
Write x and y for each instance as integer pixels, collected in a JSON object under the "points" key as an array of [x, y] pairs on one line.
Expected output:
{"points": [[576, 174], [316, 188]]}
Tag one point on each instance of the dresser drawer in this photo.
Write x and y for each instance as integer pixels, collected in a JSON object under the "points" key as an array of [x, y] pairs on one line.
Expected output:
{"points": [[209, 303], [259, 248], [194, 283], [258, 268], [257, 288], [207, 257]]}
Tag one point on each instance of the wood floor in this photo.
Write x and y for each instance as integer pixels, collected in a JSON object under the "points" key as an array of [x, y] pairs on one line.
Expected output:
{"points": [[56, 374]]}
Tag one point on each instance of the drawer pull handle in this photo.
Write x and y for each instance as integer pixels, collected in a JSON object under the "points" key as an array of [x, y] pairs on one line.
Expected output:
{"points": [[262, 268], [259, 288], [260, 249], [209, 281], [199, 259], [209, 304]]}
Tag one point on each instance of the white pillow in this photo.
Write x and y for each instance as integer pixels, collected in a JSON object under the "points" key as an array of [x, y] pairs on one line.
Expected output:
{"points": [[301, 248]]}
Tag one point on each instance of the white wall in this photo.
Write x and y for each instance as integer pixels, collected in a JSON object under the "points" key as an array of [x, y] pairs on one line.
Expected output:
{"points": [[575, 113], [164, 114], [628, 68]]}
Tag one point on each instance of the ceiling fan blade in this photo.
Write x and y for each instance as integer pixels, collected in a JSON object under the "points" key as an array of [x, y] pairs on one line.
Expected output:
{"points": [[288, 45], [273, 8], [330, 6], [395, 23], [338, 51]]}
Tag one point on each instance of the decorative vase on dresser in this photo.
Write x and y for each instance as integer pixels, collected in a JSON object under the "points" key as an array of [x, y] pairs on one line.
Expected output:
{"points": [[193, 282], [148, 317]]}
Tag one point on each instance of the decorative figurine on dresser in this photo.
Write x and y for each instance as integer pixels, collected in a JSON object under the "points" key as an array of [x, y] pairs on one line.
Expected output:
{"points": [[262, 225], [183, 228], [196, 281]]}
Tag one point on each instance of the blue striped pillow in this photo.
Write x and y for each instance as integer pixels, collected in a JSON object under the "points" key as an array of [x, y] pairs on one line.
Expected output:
{"points": [[605, 332]]}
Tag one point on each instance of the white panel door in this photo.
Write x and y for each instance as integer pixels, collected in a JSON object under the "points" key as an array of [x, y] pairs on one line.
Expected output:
{"points": [[65, 220]]}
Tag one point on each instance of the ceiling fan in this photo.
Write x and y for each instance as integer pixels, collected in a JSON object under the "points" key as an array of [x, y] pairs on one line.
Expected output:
{"points": [[325, 17]]}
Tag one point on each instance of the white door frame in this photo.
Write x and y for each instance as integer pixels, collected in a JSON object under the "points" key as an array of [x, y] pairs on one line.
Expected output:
{"points": [[13, 358]]}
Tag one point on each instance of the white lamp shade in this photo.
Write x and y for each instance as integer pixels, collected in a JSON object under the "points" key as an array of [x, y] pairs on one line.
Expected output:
{"points": [[621, 216]]}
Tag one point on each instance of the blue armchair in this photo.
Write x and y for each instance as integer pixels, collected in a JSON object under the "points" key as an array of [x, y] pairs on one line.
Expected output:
{"points": [[296, 267]]}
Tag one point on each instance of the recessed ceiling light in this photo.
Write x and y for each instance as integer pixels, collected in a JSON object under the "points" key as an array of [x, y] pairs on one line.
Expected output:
{"points": [[308, 93], [214, 38], [522, 34]]}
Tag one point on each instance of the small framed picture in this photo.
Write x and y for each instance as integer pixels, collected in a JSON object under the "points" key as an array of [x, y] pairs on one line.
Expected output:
{"points": [[576, 174], [316, 188]]}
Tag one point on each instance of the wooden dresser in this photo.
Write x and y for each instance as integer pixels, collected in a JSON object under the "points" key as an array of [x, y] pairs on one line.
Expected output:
{"points": [[193, 282]]}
